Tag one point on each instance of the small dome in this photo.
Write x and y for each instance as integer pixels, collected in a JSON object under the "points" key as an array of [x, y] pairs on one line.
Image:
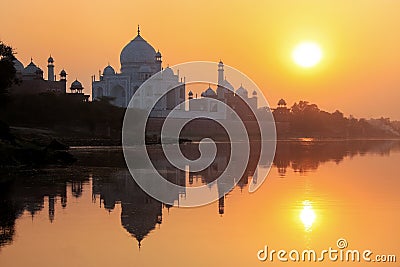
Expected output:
{"points": [[158, 54], [227, 85], [39, 71], [31, 68], [282, 102], [19, 67], [242, 91], [108, 71], [145, 68], [168, 72], [209, 92], [50, 60], [63, 73], [76, 85], [254, 93], [190, 93]]}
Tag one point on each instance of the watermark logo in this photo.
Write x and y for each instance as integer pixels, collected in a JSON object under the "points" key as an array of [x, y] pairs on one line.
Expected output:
{"points": [[340, 253], [164, 106], [341, 243]]}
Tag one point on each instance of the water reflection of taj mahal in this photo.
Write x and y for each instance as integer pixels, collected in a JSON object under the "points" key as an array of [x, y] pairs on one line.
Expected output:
{"points": [[140, 213], [112, 185]]}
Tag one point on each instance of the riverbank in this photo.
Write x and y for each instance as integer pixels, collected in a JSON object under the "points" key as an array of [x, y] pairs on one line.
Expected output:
{"points": [[77, 139], [31, 148]]}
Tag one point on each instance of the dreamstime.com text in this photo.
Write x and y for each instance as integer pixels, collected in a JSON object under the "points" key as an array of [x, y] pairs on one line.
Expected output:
{"points": [[341, 253]]}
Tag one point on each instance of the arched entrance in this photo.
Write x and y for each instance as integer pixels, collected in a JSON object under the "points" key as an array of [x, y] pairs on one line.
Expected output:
{"points": [[99, 93], [118, 93]]}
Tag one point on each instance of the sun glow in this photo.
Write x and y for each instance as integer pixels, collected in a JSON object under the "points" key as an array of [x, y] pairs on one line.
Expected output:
{"points": [[307, 54], [307, 215]]}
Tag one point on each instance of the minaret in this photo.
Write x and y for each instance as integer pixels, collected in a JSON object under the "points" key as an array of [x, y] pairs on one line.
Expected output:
{"points": [[50, 69], [63, 78], [220, 72], [158, 60]]}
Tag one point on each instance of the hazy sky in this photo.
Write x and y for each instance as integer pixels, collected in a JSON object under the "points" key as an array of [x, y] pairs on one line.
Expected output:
{"points": [[359, 74]]}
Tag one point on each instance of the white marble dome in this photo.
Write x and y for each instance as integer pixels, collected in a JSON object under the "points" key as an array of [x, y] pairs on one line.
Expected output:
{"points": [[227, 85], [145, 69], [242, 91], [108, 71], [137, 51], [167, 72], [209, 92]]}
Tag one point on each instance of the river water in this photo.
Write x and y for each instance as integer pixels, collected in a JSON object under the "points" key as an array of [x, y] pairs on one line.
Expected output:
{"points": [[93, 214]]}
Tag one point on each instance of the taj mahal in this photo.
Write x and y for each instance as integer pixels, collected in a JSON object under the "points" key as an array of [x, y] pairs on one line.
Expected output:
{"points": [[139, 61]]}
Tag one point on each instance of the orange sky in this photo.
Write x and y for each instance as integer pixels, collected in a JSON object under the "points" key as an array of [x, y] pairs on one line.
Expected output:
{"points": [[359, 74]]}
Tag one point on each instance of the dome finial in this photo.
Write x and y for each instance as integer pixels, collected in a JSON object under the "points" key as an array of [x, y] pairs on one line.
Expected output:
{"points": [[138, 29], [50, 59]]}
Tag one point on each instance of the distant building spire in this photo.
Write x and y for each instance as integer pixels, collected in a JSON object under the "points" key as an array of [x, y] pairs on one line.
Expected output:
{"points": [[220, 72], [50, 69], [138, 29]]}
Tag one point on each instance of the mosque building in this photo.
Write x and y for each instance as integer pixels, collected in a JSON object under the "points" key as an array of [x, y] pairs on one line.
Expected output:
{"points": [[32, 80]]}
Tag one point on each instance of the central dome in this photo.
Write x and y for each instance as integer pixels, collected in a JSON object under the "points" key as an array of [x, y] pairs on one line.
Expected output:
{"points": [[137, 51]]}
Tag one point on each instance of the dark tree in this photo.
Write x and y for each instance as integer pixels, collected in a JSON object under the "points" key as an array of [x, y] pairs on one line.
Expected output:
{"points": [[7, 72]]}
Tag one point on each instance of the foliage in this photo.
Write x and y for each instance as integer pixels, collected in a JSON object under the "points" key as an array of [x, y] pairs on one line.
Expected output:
{"points": [[65, 112], [307, 120], [7, 72]]}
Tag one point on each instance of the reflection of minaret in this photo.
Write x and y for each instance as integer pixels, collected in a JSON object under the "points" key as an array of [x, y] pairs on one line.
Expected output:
{"points": [[221, 205], [64, 197], [77, 188], [64, 201], [51, 208], [34, 204], [191, 178], [243, 181]]}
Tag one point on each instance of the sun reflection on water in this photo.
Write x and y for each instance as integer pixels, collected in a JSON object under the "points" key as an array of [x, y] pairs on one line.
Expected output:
{"points": [[307, 215]]}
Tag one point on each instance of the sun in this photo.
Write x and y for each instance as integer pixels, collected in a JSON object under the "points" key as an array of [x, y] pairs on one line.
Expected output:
{"points": [[307, 54]]}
